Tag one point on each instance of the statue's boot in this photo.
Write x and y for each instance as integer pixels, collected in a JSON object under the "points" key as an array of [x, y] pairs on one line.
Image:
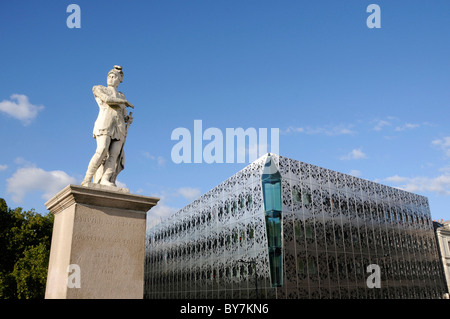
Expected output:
{"points": [[106, 179], [109, 171], [88, 178], [92, 168]]}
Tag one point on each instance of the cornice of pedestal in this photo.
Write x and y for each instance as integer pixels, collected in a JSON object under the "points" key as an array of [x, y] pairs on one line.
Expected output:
{"points": [[100, 196]]}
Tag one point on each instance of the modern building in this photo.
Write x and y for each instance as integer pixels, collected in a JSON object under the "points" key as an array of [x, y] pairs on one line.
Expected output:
{"points": [[280, 228], [443, 241]]}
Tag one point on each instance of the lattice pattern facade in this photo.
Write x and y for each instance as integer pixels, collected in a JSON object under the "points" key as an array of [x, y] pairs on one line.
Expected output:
{"points": [[333, 226]]}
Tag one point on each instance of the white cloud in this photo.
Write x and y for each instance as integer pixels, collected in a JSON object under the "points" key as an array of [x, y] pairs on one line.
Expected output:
{"points": [[189, 193], [445, 169], [148, 155], [380, 124], [20, 108], [406, 126], [329, 130], [354, 155], [161, 161], [439, 184], [33, 179], [443, 144], [292, 129], [161, 211], [395, 122], [120, 184], [165, 208], [355, 172], [396, 179], [3, 167], [22, 162]]}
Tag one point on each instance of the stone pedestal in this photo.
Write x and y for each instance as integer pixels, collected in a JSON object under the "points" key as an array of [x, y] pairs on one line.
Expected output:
{"points": [[98, 243]]}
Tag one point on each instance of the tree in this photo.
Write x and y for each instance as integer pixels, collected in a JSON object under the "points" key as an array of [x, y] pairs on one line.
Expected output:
{"points": [[25, 238], [30, 272]]}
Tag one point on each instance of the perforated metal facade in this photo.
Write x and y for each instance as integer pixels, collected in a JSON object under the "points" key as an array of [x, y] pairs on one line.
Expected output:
{"points": [[333, 226]]}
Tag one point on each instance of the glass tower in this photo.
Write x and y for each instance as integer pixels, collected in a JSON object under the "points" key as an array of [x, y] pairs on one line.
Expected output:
{"points": [[271, 189], [281, 228]]}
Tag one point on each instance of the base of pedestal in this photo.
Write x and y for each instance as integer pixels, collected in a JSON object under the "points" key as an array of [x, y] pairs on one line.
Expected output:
{"points": [[98, 244]]}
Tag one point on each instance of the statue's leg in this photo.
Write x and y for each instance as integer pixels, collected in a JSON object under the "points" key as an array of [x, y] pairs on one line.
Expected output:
{"points": [[103, 142], [110, 164]]}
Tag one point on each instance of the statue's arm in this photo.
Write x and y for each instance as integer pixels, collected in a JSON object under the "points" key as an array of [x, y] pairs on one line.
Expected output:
{"points": [[126, 101], [100, 92]]}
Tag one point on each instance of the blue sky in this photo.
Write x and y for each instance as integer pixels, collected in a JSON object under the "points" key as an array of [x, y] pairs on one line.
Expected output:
{"points": [[369, 102]]}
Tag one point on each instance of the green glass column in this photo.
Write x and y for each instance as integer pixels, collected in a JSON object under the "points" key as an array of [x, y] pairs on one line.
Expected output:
{"points": [[271, 186]]}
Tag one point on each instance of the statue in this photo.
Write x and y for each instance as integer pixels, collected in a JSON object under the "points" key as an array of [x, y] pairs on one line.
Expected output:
{"points": [[110, 131]]}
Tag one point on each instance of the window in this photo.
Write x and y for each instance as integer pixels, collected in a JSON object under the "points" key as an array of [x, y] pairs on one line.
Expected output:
{"points": [[250, 269], [301, 266], [306, 198], [312, 266], [235, 236], [272, 196], [296, 195], [299, 230], [273, 225], [337, 233], [309, 231], [242, 237], [250, 232], [242, 271], [228, 240], [249, 201], [235, 272], [331, 267], [234, 207]]}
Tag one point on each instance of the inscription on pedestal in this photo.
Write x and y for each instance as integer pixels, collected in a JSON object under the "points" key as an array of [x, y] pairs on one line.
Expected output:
{"points": [[115, 246]]}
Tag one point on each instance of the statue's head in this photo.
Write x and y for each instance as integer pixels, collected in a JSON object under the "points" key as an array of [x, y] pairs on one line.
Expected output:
{"points": [[115, 76]]}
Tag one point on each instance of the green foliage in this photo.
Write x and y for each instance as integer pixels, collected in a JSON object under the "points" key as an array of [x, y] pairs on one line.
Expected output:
{"points": [[30, 272], [25, 238]]}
